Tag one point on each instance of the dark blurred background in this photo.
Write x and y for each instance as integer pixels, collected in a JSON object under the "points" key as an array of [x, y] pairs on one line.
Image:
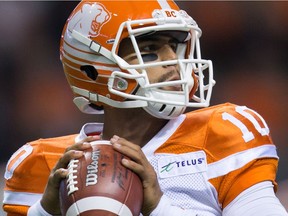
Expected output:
{"points": [[247, 42]]}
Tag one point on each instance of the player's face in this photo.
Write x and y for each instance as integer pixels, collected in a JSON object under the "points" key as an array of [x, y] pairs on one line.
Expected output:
{"points": [[155, 49]]}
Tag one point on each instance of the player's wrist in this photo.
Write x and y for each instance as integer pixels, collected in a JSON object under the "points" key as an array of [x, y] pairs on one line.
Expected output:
{"points": [[49, 204], [38, 210], [161, 205], [48, 209], [147, 209]]}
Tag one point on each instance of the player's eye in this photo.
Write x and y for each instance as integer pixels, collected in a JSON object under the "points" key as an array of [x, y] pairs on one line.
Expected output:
{"points": [[148, 57], [149, 51]]}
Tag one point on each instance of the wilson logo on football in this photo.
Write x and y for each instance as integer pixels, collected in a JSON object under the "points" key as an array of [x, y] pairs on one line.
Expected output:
{"points": [[90, 19]]}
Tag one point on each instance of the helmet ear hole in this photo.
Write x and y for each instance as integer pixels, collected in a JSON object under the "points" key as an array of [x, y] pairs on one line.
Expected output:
{"points": [[90, 71]]}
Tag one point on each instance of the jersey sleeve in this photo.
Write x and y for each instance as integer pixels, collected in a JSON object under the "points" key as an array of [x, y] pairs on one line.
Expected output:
{"points": [[241, 151], [27, 172]]}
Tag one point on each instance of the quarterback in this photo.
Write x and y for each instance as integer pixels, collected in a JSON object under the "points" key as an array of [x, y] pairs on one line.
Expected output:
{"points": [[139, 63]]}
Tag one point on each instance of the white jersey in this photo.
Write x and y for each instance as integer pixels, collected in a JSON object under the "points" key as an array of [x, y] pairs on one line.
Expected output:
{"points": [[203, 159]]}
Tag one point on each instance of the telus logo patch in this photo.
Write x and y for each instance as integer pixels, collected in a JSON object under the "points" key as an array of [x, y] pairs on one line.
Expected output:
{"points": [[182, 164]]}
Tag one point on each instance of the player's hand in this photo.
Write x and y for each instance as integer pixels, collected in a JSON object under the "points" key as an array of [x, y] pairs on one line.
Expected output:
{"points": [[141, 166], [50, 199]]}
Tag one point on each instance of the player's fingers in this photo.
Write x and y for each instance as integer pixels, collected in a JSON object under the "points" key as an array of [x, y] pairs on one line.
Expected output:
{"points": [[138, 163], [66, 157], [119, 140], [132, 165], [50, 198], [129, 149], [57, 176], [83, 144], [141, 166], [75, 151], [145, 172]]}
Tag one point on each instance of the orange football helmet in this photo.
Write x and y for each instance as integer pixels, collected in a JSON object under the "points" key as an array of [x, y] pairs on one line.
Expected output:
{"points": [[98, 76]]}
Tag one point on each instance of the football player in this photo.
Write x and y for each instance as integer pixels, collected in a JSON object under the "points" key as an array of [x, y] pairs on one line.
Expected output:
{"points": [[139, 63]]}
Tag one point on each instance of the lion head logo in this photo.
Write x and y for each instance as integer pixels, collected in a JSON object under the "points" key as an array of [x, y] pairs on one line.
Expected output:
{"points": [[90, 19]]}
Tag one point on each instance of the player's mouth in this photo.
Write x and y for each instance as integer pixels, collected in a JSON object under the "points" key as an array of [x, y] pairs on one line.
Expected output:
{"points": [[170, 77]]}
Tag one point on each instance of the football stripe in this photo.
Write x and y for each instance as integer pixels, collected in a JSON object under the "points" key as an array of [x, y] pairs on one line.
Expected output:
{"points": [[101, 142], [98, 203]]}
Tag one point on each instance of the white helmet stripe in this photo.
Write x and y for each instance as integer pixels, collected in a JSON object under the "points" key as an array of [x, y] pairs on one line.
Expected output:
{"points": [[164, 4]]}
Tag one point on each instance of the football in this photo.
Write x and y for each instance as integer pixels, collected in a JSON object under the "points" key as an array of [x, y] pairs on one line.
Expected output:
{"points": [[99, 185]]}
